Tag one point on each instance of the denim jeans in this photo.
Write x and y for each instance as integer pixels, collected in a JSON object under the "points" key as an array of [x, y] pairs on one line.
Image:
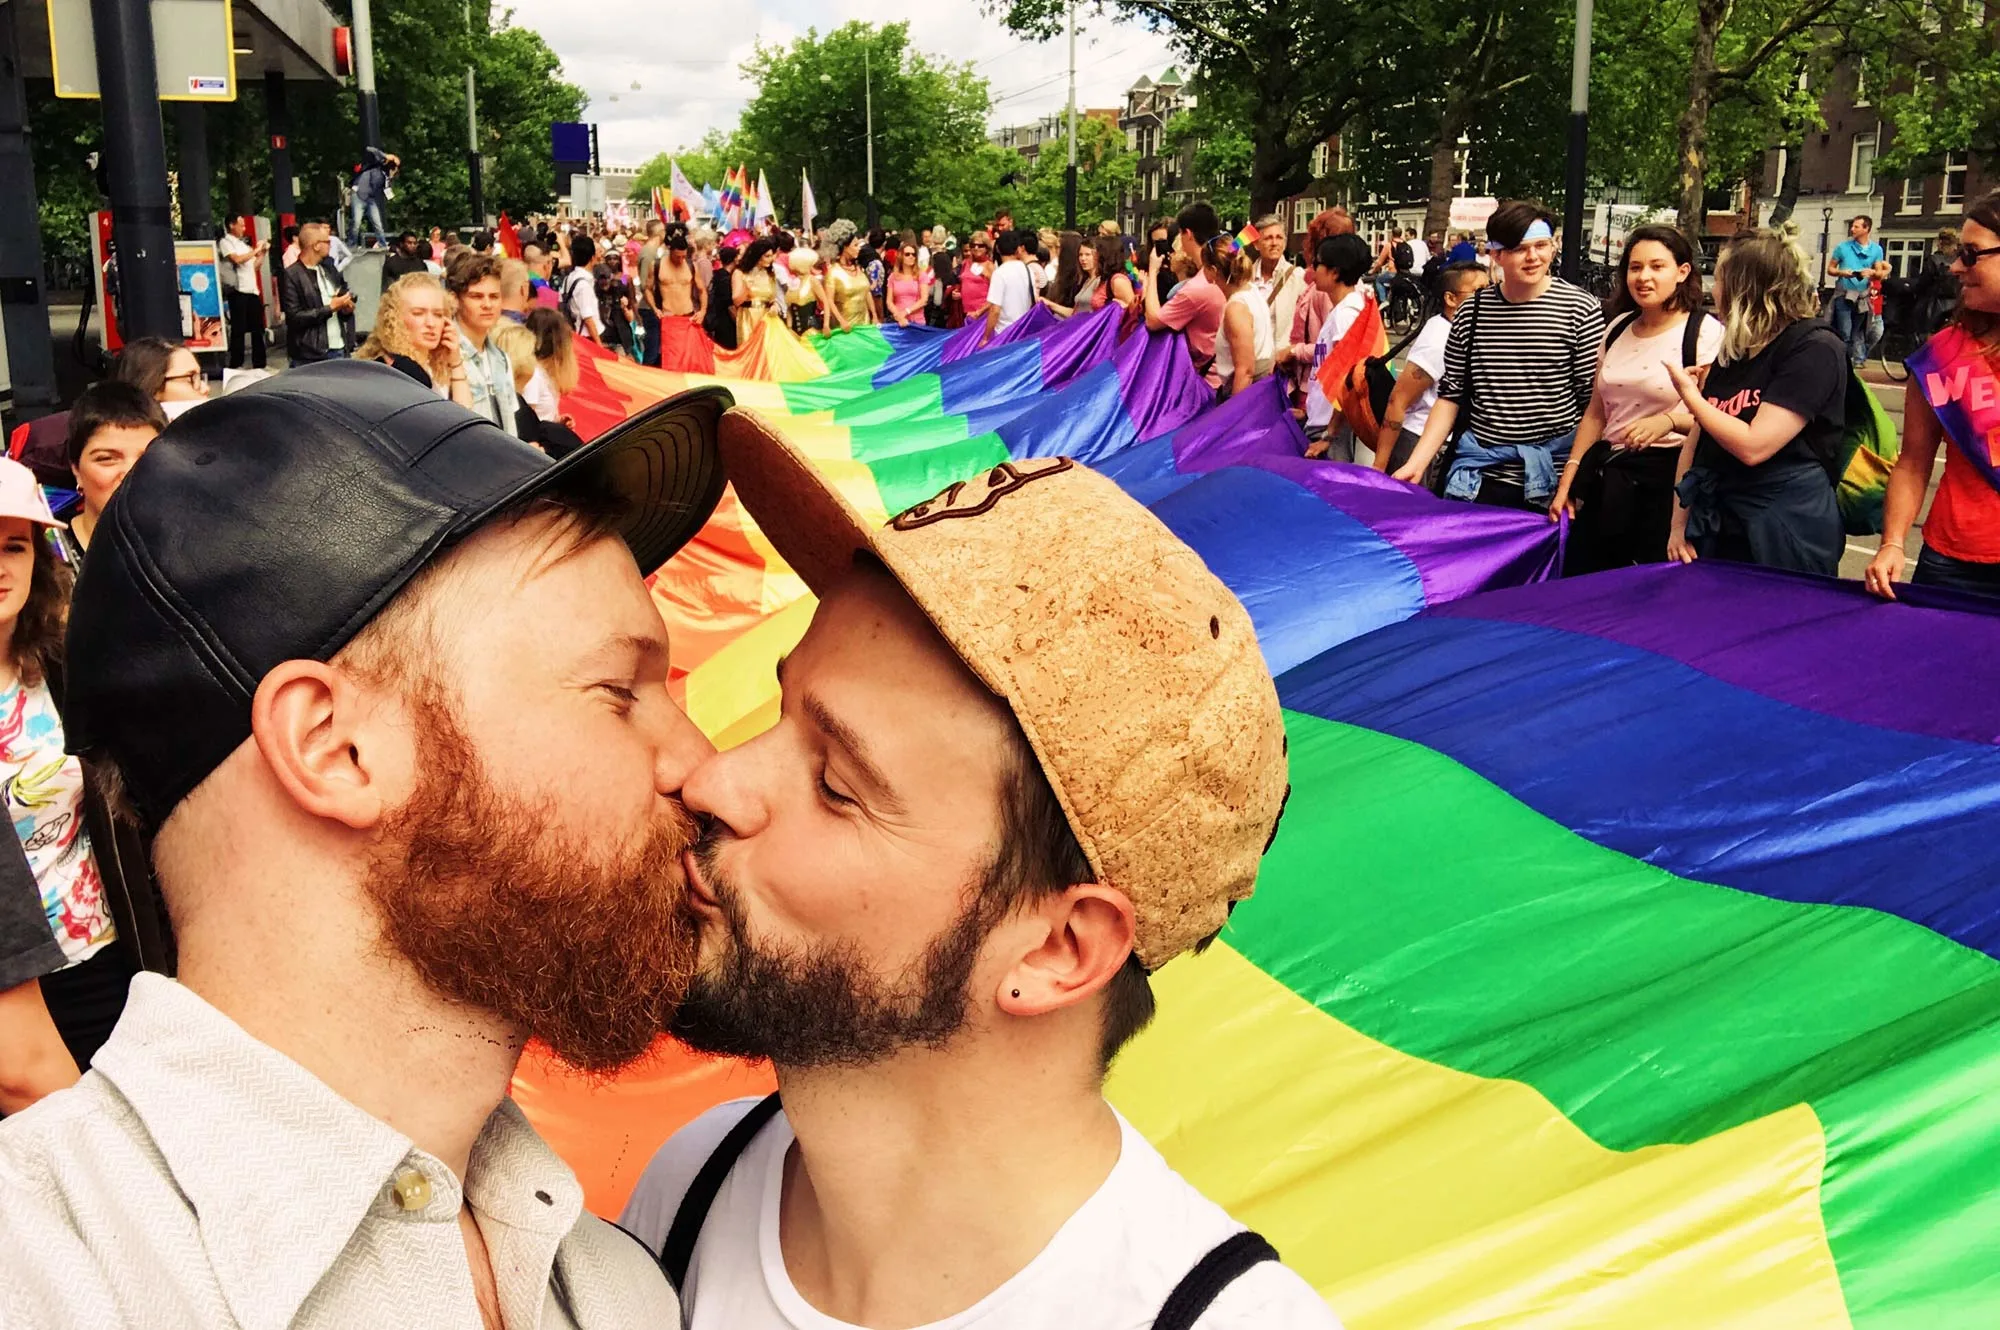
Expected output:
{"points": [[365, 210], [1851, 321]]}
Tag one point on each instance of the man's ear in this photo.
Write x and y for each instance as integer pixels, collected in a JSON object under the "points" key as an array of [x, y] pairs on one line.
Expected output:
{"points": [[310, 723], [1086, 939]]}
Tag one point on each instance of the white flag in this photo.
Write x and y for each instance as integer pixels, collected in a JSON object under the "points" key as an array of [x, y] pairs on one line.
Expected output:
{"points": [[764, 208], [807, 209], [683, 189]]}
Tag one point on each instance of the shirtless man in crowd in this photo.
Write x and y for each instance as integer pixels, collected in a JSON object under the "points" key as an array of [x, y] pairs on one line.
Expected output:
{"points": [[675, 293]]}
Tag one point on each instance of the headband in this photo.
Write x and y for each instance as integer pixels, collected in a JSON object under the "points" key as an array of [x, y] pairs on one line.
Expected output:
{"points": [[1537, 230]]}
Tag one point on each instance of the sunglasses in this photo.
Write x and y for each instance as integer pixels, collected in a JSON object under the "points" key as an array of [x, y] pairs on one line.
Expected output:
{"points": [[1969, 255]]}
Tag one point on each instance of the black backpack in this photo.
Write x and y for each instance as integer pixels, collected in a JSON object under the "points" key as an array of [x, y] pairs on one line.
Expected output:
{"points": [[1406, 258], [1234, 1256]]}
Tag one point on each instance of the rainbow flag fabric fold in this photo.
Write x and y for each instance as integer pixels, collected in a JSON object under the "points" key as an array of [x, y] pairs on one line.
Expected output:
{"points": [[1628, 966], [1627, 955]]}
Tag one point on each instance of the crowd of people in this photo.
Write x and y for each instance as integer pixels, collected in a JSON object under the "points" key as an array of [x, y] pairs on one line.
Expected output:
{"points": [[233, 664]]}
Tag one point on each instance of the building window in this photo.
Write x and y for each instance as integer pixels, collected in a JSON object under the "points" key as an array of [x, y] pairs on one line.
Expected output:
{"points": [[1913, 195], [1906, 257], [1952, 197], [1861, 164], [1322, 159]]}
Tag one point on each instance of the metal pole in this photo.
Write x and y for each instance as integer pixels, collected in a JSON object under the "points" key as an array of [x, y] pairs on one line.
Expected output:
{"points": [[135, 159], [1069, 177], [472, 171], [868, 104], [1579, 138], [191, 137], [31, 361], [278, 125], [364, 76]]}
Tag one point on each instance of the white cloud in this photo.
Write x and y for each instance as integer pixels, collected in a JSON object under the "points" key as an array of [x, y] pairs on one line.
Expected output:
{"points": [[685, 59]]}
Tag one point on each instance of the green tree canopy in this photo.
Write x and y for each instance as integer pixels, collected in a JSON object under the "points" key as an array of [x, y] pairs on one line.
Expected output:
{"points": [[931, 157], [1105, 169]]}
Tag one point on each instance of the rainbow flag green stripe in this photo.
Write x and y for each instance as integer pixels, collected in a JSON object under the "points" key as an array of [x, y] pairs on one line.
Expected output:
{"points": [[1571, 1078]]}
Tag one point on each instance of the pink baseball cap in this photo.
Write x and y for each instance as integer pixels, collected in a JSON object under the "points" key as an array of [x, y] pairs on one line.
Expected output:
{"points": [[21, 494]]}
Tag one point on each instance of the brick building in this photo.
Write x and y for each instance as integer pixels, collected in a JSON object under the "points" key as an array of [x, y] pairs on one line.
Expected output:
{"points": [[1838, 180]]}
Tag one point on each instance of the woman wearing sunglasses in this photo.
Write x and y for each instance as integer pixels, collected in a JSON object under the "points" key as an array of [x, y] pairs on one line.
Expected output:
{"points": [[1953, 393]]}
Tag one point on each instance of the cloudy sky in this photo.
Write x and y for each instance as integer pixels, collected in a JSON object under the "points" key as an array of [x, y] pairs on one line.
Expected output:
{"points": [[684, 57]]}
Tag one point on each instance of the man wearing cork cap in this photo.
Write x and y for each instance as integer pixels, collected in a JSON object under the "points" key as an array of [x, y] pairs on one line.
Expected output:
{"points": [[388, 688], [1028, 752]]}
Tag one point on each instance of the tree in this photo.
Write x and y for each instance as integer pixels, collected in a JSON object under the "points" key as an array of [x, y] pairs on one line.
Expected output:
{"points": [[1734, 47], [1938, 64], [1105, 170], [809, 114], [1224, 154], [1295, 71]]}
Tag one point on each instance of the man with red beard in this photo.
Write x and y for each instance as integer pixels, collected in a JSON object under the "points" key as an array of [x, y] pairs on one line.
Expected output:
{"points": [[1027, 753], [388, 689]]}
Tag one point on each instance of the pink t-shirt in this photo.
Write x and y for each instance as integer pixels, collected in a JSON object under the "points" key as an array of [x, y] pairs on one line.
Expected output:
{"points": [[906, 293], [1633, 383], [1196, 310], [973, 283]]}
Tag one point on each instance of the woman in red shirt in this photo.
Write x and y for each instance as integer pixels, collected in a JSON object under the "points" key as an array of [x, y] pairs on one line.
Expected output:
{"points": [[1962, 536]]}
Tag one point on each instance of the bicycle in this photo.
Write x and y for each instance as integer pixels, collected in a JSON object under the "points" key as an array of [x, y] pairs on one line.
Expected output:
{"points": [[1902, 331]]}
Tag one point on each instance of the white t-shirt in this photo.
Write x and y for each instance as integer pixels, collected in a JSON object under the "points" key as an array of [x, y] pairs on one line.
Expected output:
{"points": [[1427, 354], [580, 301], [236, 276], [1110, 1267], [1013, 290], [1319, 411], [1420, 254], [541, 396]]}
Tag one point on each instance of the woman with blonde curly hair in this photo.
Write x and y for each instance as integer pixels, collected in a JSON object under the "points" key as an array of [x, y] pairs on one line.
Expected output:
{"points": [[1757, 473], [414, 333]]}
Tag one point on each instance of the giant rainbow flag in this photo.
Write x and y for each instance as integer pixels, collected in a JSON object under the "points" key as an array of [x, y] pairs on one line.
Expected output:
{"points": [[1627, 955]]}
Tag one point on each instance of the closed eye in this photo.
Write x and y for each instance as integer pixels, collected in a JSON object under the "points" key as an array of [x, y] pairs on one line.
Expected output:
{"points": [[831, 795]]}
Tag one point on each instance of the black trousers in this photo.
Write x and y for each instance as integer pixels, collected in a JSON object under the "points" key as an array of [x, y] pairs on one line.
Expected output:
{"points": [[1629, 514], [1936, 568], [246, 326]]}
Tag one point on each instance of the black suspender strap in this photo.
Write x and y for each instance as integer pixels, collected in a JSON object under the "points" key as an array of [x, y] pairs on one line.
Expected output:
{"points": [[678, 1250], [1691, 339], [1230, 1260]]}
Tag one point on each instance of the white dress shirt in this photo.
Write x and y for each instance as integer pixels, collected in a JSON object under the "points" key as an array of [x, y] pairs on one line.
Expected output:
{"points": [[196, 1178]]}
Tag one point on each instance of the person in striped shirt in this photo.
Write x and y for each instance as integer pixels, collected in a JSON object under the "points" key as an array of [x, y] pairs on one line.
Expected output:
{"points": [[1518, 368]]}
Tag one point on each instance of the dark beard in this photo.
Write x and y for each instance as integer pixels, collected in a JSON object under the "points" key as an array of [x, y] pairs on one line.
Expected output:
{"points": [[820, 1006], [585, 951]]}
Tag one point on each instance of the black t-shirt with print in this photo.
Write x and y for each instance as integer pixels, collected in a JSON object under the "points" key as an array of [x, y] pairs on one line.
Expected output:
{"points": [[1804, 370]]}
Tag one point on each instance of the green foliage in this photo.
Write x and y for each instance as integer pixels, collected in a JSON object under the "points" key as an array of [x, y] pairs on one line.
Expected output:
{"points": [[1301, 70], [1938, 64], [421, 50], [1223, 153], [810, 111], [1640, 55], [1105, 169]]}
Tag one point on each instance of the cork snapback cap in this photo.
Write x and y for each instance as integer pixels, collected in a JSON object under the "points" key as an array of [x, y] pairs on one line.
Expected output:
{"points": [[1133, 671]]}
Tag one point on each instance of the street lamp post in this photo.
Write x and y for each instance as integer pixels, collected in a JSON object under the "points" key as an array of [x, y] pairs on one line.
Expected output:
{"points": [[1069, 177], [1825, 237], [1579, 140], [868, 110]]}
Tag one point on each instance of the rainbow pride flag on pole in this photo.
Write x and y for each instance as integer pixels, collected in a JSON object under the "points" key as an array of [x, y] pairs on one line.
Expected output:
{"points": [[1629, 953]]}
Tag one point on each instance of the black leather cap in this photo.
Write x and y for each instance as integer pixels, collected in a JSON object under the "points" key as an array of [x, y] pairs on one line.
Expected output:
{"points": [[274, 523]]}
